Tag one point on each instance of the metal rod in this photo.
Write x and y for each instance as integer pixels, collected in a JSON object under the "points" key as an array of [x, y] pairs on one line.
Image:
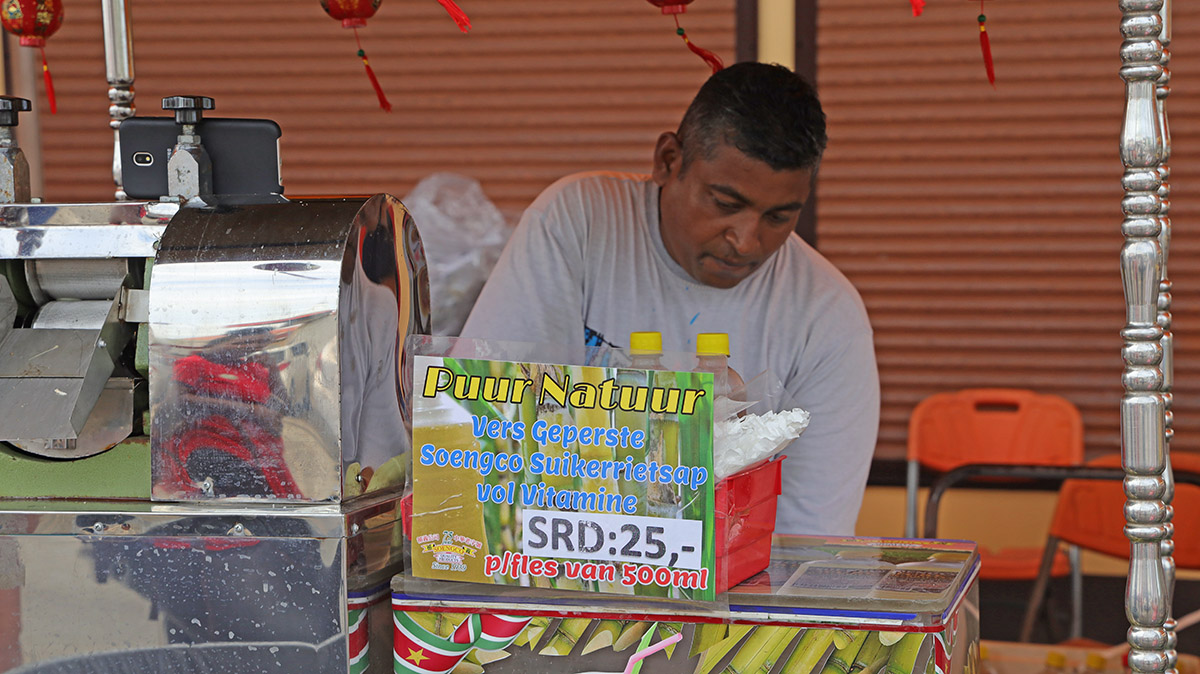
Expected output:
{"points": [[912, 482], [118, 65], [1143, 418]]}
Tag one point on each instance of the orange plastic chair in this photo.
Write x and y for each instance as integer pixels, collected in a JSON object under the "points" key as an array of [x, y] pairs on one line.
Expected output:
{"points": [[1090, 514], [993, 426]]}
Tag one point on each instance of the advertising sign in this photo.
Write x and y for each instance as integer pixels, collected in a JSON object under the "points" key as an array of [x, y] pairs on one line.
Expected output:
{"points": [[568, 477]]}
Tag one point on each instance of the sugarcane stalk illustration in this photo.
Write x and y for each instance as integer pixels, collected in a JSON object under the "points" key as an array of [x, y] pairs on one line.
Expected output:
{"points": [[705, 636], [761, 650], [597, 417], [441, 624], [904, 654], [634, 420], [570, 632], [668, 630], [533, 632], [843, 658], [809, 652], [631, 633], [872, 656], [484, 658], [716, 653], [603, 636]]}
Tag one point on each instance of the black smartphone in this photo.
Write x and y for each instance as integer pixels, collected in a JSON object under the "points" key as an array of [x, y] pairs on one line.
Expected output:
{"points": [[244, 154]]}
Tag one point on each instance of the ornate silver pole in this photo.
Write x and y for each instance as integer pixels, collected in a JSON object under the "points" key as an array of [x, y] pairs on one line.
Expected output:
{"points": [[118, 65], [1143, 424], [1167, 545]]}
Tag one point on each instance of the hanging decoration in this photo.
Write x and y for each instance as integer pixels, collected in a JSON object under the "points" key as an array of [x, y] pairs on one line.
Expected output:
{"points": [[459, 16], [675, 8], [984, 43], [354, 14], [33, 21]]}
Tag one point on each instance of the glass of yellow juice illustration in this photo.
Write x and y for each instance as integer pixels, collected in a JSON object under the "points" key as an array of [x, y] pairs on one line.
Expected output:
{"points": [[449, 539]]}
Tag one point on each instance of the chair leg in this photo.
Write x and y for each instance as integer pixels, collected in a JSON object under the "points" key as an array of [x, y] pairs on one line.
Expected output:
{"points": [[911, 482], [1039, 588], [1075, 558]]}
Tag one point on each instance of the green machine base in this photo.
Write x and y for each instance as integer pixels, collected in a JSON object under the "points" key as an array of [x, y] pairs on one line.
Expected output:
{"points": [[121, 472]]}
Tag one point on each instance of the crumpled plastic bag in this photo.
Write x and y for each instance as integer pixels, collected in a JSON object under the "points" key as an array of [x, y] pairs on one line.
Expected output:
{"points": [[754, 423], [463, 234]]}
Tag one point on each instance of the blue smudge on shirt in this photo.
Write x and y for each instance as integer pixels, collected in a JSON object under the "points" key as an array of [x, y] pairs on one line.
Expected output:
{"points": [[693, 321]]}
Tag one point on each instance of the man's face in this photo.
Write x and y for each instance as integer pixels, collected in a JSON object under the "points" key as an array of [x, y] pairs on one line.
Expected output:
{"points": [[726, 214]]}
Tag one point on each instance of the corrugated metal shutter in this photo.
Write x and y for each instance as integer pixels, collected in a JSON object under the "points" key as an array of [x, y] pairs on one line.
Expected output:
{"points": [[538, 89], [983, 225]]}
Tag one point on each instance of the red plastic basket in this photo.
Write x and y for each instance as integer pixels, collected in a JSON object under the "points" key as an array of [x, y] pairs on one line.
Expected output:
{"points": [[745, 520]]}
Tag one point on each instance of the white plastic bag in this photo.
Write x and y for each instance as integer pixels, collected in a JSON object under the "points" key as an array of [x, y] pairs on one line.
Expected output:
{"points": [[754, 423], [463, 233]]}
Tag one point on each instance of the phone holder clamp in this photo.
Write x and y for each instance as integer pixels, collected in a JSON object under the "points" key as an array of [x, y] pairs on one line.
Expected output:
{"points": [[189, 168], [14, 168]]}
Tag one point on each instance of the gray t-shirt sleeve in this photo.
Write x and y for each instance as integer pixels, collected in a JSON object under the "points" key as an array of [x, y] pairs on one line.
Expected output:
{"points": [[535, 292], [825, 474]]}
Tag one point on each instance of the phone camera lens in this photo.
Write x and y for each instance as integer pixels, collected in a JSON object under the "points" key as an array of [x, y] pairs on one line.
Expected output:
{"points": [[143, 158]]}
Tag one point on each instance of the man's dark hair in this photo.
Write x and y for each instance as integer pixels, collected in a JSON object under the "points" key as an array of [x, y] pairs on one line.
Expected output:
{"points": [[766, 111]]}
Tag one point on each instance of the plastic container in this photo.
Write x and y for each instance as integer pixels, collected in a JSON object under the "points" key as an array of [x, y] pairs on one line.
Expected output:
{"points": [[744, 507]]}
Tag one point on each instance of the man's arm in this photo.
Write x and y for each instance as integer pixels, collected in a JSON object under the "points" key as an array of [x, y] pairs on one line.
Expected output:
{"points": [[535, 292], [825, 473]]}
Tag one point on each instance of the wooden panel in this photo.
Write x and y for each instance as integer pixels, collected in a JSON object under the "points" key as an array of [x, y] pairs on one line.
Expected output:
{"points": [[982, 224], [537, 90]]}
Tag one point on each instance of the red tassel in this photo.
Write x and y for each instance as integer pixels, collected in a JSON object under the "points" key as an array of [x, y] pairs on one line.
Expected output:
{"points": [[918, 6], [986, 46], [383, 101], [459, 16], [49, 84], [710, 58]]}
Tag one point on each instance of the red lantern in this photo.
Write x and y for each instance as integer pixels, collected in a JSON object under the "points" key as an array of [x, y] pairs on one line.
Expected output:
{"points": [[672, 6], [352, 13], [675, 8], [34, 21]]}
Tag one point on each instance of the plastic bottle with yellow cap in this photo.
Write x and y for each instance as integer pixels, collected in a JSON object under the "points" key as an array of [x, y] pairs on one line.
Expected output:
{"points": [[712, 355], [645, 350]]}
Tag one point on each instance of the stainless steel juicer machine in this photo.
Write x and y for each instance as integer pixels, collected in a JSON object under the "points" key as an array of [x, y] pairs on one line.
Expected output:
{"points": [[202, 427]]}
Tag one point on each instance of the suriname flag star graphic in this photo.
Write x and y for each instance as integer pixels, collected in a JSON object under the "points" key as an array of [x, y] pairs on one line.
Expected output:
{"points": [[416, 656], [418, 650]]}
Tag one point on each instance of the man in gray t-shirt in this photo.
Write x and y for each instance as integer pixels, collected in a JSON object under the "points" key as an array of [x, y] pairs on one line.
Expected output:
{"points": [[706, 244]]}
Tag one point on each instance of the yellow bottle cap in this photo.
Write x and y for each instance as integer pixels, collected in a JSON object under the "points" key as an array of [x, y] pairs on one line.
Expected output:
{"points": [[712, 343], [1056, 659], [645, 342], [1096, 661]]}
